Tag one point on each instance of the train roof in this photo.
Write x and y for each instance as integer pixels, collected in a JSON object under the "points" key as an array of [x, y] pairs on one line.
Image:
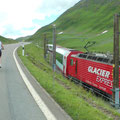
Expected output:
{"points": [[95, 57], [60, 49]]}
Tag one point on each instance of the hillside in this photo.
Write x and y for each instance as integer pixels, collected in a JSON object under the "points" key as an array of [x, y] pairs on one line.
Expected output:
{"points": [[88, 20], [23, 38], [6, 40]]}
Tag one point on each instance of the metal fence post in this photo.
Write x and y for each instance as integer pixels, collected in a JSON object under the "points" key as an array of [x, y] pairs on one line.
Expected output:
{"points": [[115, 94]]}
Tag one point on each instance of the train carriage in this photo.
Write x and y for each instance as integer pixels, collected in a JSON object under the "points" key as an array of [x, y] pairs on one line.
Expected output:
{"points": [[63, 57]]}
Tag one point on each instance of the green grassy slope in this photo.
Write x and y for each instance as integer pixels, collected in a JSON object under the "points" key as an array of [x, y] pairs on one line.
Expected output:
{"points": [[84, 22], [23, 38], [6, 40]]}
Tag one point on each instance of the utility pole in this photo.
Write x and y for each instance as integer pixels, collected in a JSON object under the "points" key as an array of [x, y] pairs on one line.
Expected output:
{"points": [[54, 54], [54, 47], [45, 46], [115, 94]]}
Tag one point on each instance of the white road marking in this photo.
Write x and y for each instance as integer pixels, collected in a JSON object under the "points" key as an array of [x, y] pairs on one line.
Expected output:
{"points": [[35, 95]]}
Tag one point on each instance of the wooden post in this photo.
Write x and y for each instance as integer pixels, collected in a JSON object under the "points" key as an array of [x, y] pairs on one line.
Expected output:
{"points": [[115, 94], [45, 46], [54, 48], [54, 54]]}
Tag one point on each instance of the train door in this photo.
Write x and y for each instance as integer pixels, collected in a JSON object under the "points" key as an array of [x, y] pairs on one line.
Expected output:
{"points": [[65, 58], [64, 65], [73, 67]]}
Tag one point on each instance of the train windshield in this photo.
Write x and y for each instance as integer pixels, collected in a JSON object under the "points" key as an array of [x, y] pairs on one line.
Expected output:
{"points": [[59, 57]]}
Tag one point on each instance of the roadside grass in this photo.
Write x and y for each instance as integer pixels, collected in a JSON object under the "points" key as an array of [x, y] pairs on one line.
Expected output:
{"points": [[76, 101]]}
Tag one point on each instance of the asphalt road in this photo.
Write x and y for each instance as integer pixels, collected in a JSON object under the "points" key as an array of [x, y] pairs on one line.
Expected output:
{"points": [[16, 102]]}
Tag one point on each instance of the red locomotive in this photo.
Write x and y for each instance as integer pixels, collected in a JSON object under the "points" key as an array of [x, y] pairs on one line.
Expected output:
{"points": [[93, 70]]}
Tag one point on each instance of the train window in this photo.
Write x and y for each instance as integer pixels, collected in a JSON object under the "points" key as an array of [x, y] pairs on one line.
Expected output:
{"points": [[111, 61], [81, 55], [84, 56], [59, 57], [100, 59], [94, 58], [105, 60], [89, 57], [71, 62]]}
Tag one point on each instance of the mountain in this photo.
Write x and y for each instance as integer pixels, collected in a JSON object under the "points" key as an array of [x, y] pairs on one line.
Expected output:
{"points": [[6, 40], [87, 21], [23, 38]]}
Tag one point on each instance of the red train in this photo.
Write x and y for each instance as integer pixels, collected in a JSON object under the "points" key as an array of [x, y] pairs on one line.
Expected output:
{"points": [[93, 70]]}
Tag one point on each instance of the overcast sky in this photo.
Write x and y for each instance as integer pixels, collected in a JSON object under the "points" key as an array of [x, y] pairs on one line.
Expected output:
{"points": [[24, 17]]}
